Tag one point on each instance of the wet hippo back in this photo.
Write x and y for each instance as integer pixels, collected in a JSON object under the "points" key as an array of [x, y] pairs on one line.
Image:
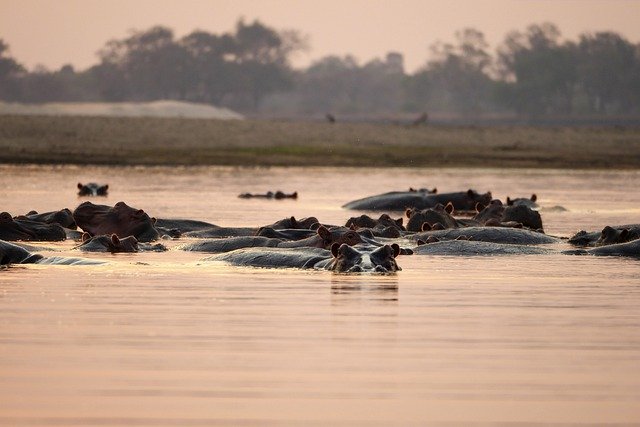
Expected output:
{"points": [[489, 234], [21, 228], [14, 254], [400, 201]]}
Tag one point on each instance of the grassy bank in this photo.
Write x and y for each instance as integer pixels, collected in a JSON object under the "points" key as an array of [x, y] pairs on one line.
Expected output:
{"points": [[162, 141]]}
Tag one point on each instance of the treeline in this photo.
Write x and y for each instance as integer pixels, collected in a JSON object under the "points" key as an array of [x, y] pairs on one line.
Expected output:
{"points": [[533, 73]]}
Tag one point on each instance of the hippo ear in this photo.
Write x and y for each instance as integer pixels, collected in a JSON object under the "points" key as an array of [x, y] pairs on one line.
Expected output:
{"points": [[85, 236], [437, 226], [396, 249], [534, 197], [294, 222], [399, 222], [624, 235], [420, 242], [470, 192], [434, 191], [509, 201], [324, 233], [408, 213], [154, 220], [606, 231], [334, 249], [80, 186], [106, 186], [352, 226], [426, 227], [479, 207], [449, 208], [115, 240], [412, 190]]}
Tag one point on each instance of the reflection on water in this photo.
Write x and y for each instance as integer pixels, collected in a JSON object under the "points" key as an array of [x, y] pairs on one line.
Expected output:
{"points": [[164, 339]]}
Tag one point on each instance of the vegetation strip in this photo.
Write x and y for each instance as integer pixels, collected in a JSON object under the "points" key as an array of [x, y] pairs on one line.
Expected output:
{"points": [[162, 141]]}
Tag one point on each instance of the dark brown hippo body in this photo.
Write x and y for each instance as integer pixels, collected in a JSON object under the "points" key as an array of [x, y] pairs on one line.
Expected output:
{"points": [[14, 254], [92, 189], [63, 217], [20, 228], [121, 220], [401, 201], [340, 259]]}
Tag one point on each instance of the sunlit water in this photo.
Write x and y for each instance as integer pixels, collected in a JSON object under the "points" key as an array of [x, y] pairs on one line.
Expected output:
{"points": [[161, 339]]}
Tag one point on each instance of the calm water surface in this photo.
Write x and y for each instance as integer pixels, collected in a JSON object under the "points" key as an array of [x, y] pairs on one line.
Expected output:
{"points": [[165, 340]]}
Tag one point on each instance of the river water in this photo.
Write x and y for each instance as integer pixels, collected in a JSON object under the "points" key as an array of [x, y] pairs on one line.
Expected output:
{"points": [[161, 339]]}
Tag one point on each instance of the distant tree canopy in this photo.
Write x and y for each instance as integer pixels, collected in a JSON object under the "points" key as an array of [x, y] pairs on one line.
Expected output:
{"points": [[534, 73]]}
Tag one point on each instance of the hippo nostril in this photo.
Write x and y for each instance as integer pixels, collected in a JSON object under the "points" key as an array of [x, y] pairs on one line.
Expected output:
{"points": [[381, 269], [355, 269]]}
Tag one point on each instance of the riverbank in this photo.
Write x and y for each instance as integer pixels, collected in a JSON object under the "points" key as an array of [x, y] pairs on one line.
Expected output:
{"points": [[181, 141]]}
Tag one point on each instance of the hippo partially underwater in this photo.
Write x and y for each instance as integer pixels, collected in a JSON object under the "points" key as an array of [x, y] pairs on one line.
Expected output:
{"points": [[341, 258]]}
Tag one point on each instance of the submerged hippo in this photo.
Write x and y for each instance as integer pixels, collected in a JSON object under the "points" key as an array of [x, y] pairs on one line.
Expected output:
{"points": [[14, 254], [110, 243], [323, 238], [437, 218], [121, 220], [523, 201], [384, 226], [627, 249], [92, 189], [21, 228], [400, 201], [63, 217], [278, 195], [472, 248], [341, 258], [498, 215], [488, 234], [608, 236]]}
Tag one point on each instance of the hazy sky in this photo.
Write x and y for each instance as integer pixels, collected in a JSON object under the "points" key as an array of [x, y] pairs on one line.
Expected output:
{"points": [[56, 32]]}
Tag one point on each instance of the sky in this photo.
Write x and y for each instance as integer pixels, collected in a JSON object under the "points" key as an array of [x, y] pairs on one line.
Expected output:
{"points": [[57, 32]]}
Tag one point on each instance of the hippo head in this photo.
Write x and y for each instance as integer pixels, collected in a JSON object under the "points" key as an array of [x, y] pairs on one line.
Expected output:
{"points": [[92, 189], [524, 215], [347, 259], [611, 236], [476, 197], [111, 243], [338, 235], [490, 214], [438, 217]]}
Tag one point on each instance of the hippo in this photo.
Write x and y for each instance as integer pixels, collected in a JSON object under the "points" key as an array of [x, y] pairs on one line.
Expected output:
{"points": [[437, 218], [24, 229], [384, 226], [489, 234], [92, 189], [63, 217], [278, 195], [121, 220], [464, 247], [14, 254], [106, 243], [523, 201], [498, 215], [285, 223], [609, 235], [341, 258], [285, 233], [400, 201], [627, 249], [323, 238]]}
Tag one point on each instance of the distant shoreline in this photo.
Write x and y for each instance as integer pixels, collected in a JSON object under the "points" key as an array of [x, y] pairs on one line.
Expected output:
{"points": [[183, 141]]}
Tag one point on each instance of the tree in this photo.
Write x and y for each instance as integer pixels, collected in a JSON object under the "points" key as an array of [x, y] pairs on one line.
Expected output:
{"points": [[10, 72]]}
